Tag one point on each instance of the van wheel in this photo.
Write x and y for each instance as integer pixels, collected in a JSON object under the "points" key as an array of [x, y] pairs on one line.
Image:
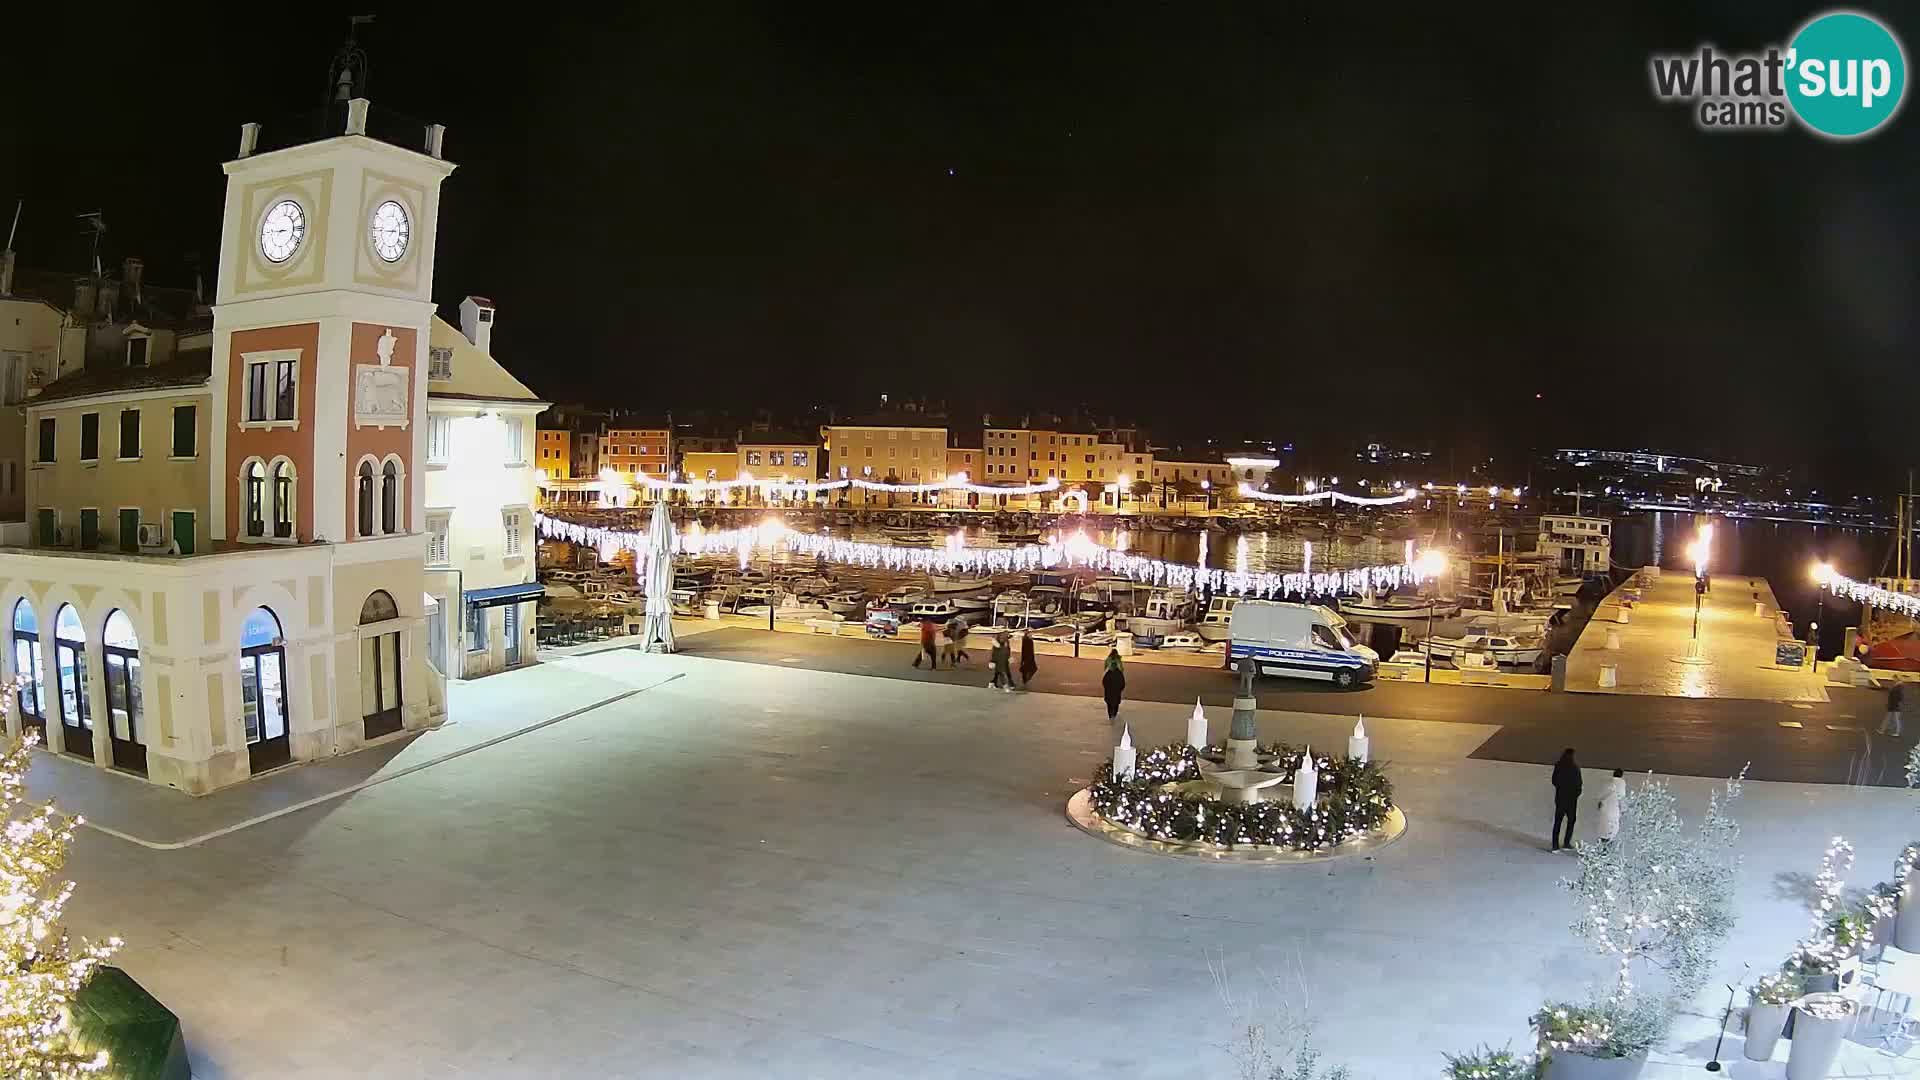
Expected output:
{"points": [[1343, 679]]}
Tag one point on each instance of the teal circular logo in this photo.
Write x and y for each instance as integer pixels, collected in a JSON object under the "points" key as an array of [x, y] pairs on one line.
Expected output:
{"points": [[1847, 74]]}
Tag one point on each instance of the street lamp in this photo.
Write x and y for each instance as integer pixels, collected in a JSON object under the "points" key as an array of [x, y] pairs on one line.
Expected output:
{"points": [[1698, 551], [1430, 564], [1823, 577], [1206, 486]]}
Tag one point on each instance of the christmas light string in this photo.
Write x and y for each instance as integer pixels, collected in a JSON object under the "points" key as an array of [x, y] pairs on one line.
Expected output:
{"points": [[1248, 491], [1075, 551], [1872, 595], [954, 482]]}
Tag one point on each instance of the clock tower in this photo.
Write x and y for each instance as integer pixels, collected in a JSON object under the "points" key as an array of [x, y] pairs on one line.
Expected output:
{"points": [[320, 328]]}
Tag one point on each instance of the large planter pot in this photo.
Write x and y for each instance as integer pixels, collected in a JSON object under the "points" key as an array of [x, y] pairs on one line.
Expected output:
{"points": [[1817, 1039], [1566, 1065], [1764, 1024], [1906, 926]]}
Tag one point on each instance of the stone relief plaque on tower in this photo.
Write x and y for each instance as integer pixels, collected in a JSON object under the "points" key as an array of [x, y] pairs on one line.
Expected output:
{"points": [[380, 391]]}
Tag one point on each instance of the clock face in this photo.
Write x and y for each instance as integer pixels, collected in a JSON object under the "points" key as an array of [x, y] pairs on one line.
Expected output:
{"points": [[390, 229], [282, 230]]}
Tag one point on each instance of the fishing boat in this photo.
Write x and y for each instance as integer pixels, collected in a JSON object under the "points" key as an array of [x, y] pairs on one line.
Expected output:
{"points": [[1389, 606], [959, 583], [974, 605], [1166, 611], [1024, 536], [911, 539], [790, 609], [1508, 650], [931, 609], [1310, 530], [1023, 610], [1216, 623], [1185, 641]]}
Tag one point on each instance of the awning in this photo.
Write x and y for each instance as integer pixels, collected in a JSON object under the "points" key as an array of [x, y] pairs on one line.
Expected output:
{"points": [[524, 593]]}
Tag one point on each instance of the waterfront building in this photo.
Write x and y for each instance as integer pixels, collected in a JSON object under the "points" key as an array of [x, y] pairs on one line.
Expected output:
{"points": [[481, 488], [778, 456], [1195, 483], [628, 448], [225, 566], [553, 452], [904, 449]]}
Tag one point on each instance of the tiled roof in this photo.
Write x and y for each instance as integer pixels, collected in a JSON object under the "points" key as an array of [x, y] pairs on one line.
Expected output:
{"points": [[191, 368]]}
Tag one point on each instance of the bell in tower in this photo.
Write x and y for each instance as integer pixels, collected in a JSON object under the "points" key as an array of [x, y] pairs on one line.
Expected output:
{"points": [[347, 75]]}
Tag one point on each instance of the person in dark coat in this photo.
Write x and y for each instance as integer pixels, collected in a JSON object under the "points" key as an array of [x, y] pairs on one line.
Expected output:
{"points": [[1002, 663], [1113, 683], [1028, 665], [929, 645], [1566, 797], [1890, 725]]}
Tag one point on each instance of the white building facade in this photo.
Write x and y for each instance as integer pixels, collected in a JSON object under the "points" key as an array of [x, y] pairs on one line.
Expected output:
{"points": [[481, 489]]}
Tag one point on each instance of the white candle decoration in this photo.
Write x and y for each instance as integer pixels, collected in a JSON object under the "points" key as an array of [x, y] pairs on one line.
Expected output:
{"points": [[1306, 781], [1357, 742], [1123, 756], [1197, 727]]}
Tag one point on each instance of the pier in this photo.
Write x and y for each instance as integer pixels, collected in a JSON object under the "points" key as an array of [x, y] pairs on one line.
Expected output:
{"points": [[1741, 627]]}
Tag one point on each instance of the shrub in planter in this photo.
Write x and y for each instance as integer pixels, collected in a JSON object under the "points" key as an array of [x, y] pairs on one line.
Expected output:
{"points": [[1487, 1063], [1606, 1039], [1768, 1003]]}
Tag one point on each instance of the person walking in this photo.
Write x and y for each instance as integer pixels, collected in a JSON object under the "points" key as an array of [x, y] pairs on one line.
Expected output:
{"points": [[958, 629], [1028, 665], [1113, 683], [1566, 798], [929, 632], [1890, 725], [1610, 806], [1002, 659]]}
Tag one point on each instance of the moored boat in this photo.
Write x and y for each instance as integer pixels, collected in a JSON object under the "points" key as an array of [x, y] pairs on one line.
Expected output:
{"points": [[1398, 607]]}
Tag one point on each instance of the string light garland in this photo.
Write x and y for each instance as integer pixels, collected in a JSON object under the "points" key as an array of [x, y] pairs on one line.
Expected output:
{"points": [[953, 482], [1329, 496], [42, 968], [1076, 550], [1356, 798], [1871, 595]]}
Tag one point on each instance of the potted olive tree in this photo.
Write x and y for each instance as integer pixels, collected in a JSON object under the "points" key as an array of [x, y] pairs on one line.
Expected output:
{"points": [[1768, 1002], [1657, 901]]}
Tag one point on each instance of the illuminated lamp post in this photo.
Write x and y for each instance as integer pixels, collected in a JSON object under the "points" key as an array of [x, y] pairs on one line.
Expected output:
{"points": [[1823, 577], [1206, 487], [1431, 564]]}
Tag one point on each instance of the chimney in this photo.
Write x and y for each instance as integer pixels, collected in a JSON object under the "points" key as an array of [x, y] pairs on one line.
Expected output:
{"points": [[132, 269], [6, 272], [83, 297], [476, 321]]}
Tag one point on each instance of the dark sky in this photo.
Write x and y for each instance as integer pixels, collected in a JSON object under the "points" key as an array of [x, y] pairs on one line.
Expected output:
{"points": [[1328, 223]]}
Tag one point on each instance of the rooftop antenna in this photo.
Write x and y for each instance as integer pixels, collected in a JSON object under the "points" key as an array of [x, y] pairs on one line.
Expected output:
{"points": [[95, 222], [15, 230], [347, 75]]}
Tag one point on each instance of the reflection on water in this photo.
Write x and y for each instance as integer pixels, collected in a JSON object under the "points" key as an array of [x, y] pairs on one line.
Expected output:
{"points": [[1258, 552]]}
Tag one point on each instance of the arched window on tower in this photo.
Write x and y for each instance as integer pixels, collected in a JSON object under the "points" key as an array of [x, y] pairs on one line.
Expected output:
{"points": [[390, 497], [364, 499], [283, 478], [256, 498]]}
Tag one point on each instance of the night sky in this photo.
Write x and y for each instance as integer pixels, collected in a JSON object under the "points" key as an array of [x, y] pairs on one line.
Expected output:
{"points": [[1329, 225]]}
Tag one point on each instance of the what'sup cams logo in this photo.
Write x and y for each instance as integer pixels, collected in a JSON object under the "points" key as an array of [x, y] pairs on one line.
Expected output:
{"points": [[1842, 76]]}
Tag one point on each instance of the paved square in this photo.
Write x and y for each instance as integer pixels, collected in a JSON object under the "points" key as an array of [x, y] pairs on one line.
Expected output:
{"points": [[757, 871]]}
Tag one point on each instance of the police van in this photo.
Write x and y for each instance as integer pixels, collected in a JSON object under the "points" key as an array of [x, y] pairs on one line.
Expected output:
{"points": [[1299, 641]]}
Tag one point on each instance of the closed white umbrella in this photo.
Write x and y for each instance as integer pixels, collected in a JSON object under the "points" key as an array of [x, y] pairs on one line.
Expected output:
{"points": [[659, 636]]}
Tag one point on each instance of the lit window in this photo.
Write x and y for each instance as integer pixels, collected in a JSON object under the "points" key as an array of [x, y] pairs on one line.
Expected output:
{"points": [[271, 390], [800, 458]]}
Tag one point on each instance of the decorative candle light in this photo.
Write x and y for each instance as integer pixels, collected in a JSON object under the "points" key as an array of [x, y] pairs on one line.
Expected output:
{"points": [[1123, 755], [1306, 781], [1197, 727], [1357, 742]]}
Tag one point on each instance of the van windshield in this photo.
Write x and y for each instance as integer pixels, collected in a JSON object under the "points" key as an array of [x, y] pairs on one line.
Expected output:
{"points": [[1332, 637]]}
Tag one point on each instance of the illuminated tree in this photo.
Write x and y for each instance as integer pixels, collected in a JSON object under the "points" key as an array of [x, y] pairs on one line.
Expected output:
{"points": [[41, 967]]}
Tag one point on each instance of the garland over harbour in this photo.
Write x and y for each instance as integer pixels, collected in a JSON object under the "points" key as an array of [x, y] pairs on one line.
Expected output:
{"points": [[1075, 551], [1355, 798], [1873, 595]]}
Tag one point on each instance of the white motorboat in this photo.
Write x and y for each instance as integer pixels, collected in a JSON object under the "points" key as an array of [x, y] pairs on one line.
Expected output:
{"points": [[846, 602], [1507, 650], [1017, 609], [911, 538], [1389, 606], [937, 610], [945, 584], [905, 594], [791, 610], [1186, 641], [973, 605]]}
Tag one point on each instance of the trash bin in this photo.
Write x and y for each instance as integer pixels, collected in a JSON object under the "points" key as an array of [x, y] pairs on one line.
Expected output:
{"points": [[1559, 670], [1613, 639], [1609, 676], [1123, 641], [713, 609]]}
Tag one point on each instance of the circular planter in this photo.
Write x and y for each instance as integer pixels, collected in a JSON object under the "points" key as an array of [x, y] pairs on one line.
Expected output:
{"points": [[1817, 1039], [1764, 1024], [1906, 926], [1567, 1065]]}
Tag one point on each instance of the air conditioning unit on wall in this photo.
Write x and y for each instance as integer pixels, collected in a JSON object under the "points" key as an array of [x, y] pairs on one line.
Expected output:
{"points": [[151, 535]]}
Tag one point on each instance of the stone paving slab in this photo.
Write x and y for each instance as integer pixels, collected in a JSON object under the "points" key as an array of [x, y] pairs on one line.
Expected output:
{"points": [[760, 871], [1736, 645]]}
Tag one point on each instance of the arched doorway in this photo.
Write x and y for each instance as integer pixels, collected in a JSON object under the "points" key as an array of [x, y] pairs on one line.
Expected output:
{"points": [[263, 691], [120, 651], [33, 675], [70, 669], [379, 667]]}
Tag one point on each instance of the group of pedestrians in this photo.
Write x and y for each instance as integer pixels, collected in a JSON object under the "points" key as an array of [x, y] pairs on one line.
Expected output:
{"points": [[1566, 802], [954, 651]]}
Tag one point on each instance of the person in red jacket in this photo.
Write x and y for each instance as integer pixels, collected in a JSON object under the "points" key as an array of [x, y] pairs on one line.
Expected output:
{"points": [[929, 645]]}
